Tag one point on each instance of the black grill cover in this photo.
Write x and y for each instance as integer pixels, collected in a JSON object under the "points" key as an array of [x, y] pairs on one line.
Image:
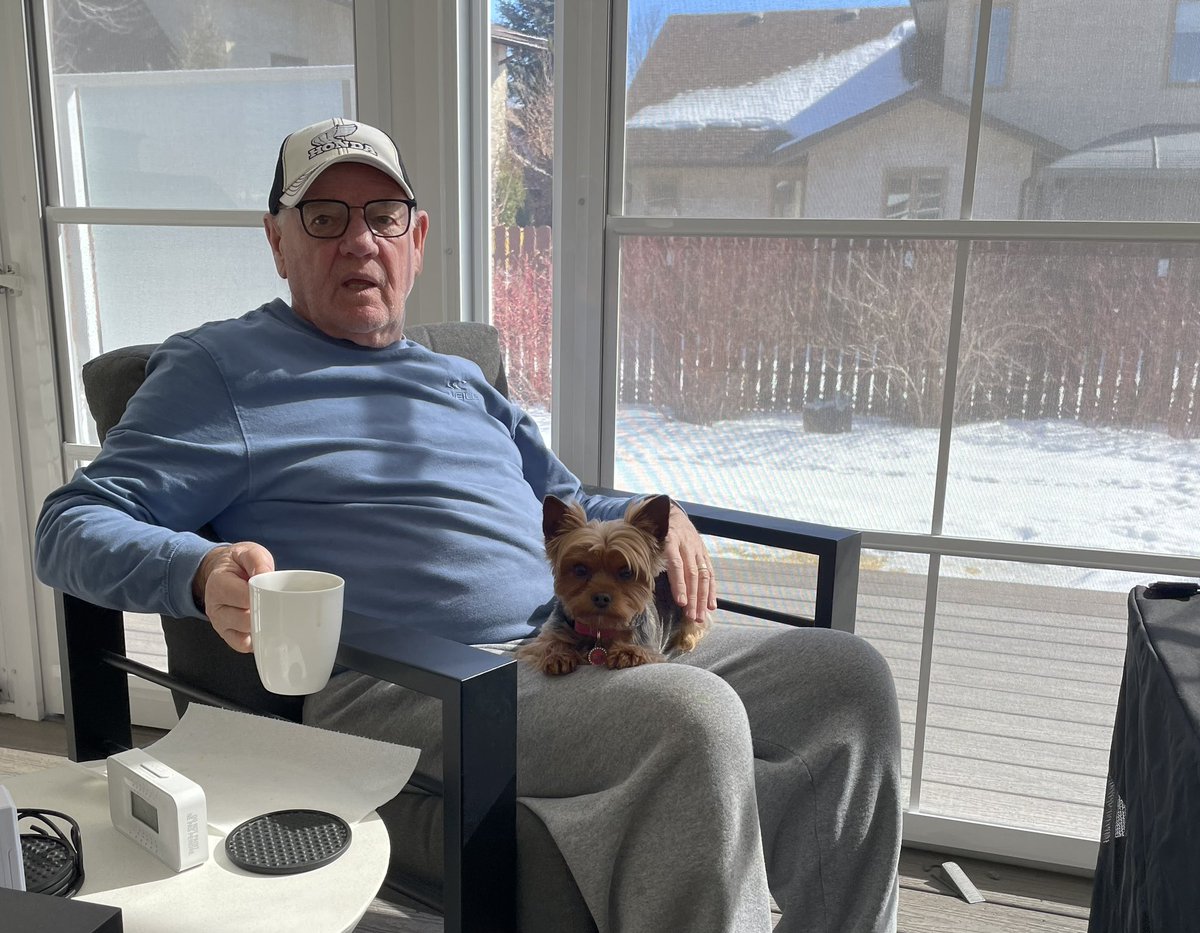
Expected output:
{"points": [[1148, 870]]}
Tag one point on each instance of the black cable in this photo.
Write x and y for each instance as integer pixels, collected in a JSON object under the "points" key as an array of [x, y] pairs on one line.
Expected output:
{"points": [[53, 863]]}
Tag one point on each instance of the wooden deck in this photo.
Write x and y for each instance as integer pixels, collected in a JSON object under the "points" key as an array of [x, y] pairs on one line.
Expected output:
{"points": [[1023, 689], [1023, 693], [1018, 900]]}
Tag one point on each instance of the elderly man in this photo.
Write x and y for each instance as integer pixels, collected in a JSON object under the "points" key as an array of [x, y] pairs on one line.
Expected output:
{"points": [[312, 434]]}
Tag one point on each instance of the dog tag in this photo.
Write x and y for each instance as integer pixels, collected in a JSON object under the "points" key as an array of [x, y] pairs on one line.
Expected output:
{"points": [[597, 657]]}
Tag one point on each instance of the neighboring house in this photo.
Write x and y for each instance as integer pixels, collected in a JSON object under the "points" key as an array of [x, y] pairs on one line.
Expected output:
{"points": [[863, 113]]}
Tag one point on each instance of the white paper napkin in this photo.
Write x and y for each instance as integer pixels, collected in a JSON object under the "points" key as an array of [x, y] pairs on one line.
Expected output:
{"points": [[250, 765]]}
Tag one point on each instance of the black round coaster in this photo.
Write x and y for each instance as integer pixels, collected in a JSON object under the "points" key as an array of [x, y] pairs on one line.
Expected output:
{"points": [[49, 862], [286, 842]]}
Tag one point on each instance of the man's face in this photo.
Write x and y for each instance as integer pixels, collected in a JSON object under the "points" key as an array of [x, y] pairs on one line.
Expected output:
{"points": [[352, 287]]}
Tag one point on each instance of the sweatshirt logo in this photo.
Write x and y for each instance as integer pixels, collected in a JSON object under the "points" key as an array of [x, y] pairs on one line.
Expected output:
{"points": [[461, 390], [338, 137]]}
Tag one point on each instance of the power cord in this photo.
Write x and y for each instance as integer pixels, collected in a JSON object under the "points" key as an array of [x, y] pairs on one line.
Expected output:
{"points": [[53, 862]]}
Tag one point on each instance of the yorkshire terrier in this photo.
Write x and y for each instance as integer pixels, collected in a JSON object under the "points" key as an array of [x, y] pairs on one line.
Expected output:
{"points": [[613, 604]]}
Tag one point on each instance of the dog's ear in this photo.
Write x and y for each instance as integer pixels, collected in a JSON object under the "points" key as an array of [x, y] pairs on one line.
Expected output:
{"points": [[651, 515], [558, 517]]}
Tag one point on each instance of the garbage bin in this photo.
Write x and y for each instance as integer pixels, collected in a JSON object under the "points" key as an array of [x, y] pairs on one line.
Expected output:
{"points": [[829, 416]]}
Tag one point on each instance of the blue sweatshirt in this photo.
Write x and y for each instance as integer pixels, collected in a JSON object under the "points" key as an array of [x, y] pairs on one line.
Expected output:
{"points": [[402, 470]]}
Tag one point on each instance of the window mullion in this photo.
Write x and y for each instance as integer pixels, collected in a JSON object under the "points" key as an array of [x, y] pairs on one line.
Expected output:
{"points": [[975, 119], [580, 152], [153, 217]]}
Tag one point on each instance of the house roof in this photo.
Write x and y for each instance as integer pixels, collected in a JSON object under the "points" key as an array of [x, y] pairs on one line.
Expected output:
{"points": [[802, 99], [775, 117], [511, 38], [729, 50], [852, 82], [748, 122], [1163, 148]]}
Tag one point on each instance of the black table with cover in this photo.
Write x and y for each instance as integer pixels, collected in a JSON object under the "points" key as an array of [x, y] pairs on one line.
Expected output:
{"points": [[1148, 869]]}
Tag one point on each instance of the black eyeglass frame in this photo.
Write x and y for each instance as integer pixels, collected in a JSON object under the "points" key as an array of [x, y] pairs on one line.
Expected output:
{"points": [[300, 205]]}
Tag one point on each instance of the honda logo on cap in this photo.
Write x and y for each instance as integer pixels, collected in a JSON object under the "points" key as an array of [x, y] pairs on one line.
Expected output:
{"points": [[338, 137]]}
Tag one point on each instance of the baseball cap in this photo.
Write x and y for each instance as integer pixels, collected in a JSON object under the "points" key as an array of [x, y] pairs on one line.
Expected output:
{"points": [[306, 153]]}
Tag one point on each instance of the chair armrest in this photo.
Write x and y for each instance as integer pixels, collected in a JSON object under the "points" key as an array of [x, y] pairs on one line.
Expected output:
{"points": [[837, 551], [478, 691]]}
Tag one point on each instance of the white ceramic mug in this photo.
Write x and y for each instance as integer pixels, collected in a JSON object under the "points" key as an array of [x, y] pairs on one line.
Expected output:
{"points": [[295, 626]]}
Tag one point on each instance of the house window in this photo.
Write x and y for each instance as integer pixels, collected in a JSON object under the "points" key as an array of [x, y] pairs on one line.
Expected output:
{"points": [[997, 58], [662, 198], [915, 195], [787, 197], [1185, 44]]}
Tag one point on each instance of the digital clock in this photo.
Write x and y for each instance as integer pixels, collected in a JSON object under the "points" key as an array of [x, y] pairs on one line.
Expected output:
{"points": [[158, 808]]}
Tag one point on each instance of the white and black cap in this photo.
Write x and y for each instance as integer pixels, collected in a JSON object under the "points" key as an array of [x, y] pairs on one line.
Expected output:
{"points": [[306, 153]]}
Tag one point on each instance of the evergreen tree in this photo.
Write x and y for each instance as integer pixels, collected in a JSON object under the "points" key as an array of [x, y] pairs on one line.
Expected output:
{"points": [[529, 70]]}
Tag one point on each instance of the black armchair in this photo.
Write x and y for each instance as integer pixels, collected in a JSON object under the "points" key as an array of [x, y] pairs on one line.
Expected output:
{"points": [[468, 850]]}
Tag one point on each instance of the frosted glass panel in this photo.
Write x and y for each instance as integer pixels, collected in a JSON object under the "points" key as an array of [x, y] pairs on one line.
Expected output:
{"points": [[135, 285], [183, 105]]}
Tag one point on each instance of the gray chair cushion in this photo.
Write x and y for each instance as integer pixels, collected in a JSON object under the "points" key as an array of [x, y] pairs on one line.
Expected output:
{"points": [[479, 343], [110, 380]]}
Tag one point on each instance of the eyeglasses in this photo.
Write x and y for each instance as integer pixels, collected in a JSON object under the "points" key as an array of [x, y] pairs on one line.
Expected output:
{"points": [[327, 220]]}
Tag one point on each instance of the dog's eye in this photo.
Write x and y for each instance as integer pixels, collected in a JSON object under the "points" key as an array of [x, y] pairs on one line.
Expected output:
{"points": [[624, 574], [580, 570]]}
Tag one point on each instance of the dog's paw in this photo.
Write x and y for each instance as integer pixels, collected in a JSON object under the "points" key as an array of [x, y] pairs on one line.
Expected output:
{"points": [[559, 663], [550, 656], [624, 656], [689, 636]]}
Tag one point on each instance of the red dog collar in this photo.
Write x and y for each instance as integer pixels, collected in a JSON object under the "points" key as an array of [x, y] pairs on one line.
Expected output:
{"points": [[597, 633], [597, 657]]}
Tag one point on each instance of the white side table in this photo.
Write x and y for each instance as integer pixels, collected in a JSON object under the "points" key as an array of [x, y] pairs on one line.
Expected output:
{"points": [[216, 895]]}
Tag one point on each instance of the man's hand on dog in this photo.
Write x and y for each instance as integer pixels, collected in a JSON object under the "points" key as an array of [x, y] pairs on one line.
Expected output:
{"points": [[222, 583], [688, 568]]}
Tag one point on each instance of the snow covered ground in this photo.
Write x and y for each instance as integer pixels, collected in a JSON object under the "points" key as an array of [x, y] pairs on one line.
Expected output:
{"points": [[1043, 482]]}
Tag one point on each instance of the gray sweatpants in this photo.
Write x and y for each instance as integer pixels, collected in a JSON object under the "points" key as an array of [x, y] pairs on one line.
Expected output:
{"points": [[678, 792]]}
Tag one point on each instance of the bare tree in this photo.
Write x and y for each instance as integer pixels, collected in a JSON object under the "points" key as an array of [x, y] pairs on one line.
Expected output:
{"points": [[531, 102], [893, 306], [100, 35], [202, 46]]}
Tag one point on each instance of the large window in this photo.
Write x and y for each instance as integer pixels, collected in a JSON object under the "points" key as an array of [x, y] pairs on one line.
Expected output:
{"points": [[803, 367], [166, 121]]}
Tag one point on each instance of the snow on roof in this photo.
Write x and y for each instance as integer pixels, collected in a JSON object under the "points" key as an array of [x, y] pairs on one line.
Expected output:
{"points": [[801, 101]]}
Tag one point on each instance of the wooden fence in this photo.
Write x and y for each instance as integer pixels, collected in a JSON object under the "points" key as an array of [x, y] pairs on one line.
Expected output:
{"points": [[714, 328]]}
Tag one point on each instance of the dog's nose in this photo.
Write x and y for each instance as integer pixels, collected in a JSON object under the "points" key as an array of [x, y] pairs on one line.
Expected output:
{"points": [[601, 600]]}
